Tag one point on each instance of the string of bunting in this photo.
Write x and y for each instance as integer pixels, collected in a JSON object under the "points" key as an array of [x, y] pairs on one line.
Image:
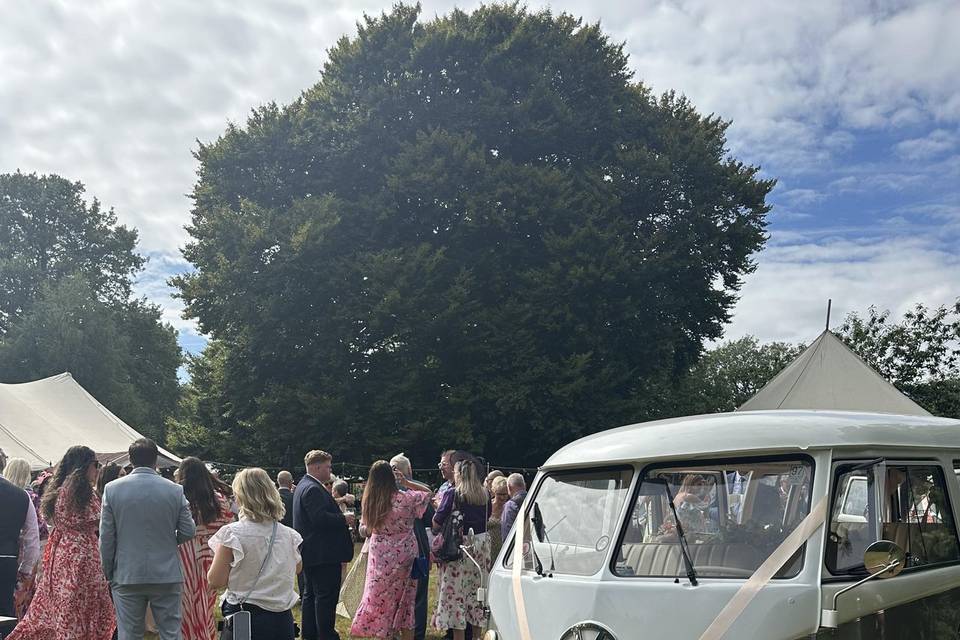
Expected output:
{"points": [[343, 466]]}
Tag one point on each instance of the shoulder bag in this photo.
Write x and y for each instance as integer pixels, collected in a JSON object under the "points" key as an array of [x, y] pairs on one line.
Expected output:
{"points": [[236, 626]]}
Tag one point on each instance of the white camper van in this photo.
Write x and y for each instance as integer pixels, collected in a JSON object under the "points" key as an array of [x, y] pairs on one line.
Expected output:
{"points": [[758, 524]]}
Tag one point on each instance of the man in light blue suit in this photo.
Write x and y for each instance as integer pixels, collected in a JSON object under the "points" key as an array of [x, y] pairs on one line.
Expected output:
{"points": [[144, 519]]}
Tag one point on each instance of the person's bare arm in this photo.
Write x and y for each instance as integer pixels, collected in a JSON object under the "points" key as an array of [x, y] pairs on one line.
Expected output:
{"points": [[219, 572]]}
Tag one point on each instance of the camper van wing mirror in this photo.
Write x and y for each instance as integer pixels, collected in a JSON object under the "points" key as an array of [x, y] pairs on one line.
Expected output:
{"points": [[884, 559]]}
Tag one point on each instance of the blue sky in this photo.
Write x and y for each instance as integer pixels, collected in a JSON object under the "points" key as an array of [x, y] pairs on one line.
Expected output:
{"points": [[854, 107]]}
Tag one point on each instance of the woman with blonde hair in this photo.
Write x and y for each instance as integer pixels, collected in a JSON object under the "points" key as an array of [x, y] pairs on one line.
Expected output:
{"points": [[387, 607], [257, 559], [468, 500], [499, 496]]}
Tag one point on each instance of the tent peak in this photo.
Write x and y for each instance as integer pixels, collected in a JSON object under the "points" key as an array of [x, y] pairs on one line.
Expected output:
{"points": [[828, 375]]}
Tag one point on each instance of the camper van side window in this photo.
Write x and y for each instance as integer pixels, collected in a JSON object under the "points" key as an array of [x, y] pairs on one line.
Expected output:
{"points": [[912, 508], [732, 514]]}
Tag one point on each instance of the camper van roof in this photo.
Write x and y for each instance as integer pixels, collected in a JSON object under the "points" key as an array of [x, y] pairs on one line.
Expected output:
{"points": [[710, 436]]}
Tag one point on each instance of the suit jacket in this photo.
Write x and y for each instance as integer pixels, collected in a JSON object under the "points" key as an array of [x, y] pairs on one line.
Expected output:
{"points": [[317, 517], [286, 496], [143, 520]]}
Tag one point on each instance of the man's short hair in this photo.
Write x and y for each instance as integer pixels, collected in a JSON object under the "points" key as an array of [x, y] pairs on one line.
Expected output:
{"points": [[316, 456], [516, 481], [403, 462], [340, 488], [143, 453], [3, 460], [284, 478]]}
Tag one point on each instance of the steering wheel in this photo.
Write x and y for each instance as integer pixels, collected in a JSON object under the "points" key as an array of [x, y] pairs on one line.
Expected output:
{"points": [[733, 572]]}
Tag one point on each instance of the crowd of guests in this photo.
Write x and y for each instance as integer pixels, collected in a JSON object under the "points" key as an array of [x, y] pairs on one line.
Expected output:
{"points": [[95, 553]]}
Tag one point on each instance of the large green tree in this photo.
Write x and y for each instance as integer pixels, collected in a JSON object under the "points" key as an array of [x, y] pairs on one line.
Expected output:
{"points": [[66, 274], [48, 233], [730, 374], [475, 231]]}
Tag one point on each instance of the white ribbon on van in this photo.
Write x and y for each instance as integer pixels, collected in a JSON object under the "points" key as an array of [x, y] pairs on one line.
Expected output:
{"points": [[764, 573], [520, 525]]}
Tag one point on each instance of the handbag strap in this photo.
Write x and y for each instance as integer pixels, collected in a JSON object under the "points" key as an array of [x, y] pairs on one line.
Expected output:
{"points": [[273, 537]]}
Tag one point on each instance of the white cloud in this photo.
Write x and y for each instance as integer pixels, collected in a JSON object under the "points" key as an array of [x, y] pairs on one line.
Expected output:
{"points": [[152, 284], [786, 299], [936, 143]]}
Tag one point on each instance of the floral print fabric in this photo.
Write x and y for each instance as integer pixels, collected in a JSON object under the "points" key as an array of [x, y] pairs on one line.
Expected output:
{"points": [[457, 605], [390, 592], [72, 601]]}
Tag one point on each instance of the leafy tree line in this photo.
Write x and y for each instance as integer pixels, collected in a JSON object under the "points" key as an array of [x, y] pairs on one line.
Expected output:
{"points": [[66, 274], [477, 230], [919, 354]]}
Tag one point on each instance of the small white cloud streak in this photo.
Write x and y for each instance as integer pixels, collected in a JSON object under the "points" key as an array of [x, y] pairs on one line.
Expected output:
{"points": [[786, 299]]}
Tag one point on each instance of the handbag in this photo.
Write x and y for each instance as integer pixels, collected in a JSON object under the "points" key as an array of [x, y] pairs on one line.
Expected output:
{"points": [[446, 546], [351, 593], [236, 626]]}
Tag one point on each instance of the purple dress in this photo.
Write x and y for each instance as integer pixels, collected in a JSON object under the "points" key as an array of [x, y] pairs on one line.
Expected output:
{"points": [[390, 592]]}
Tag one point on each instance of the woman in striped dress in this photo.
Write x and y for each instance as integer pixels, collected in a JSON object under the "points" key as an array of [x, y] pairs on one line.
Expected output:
{"points": [[211, 510]]}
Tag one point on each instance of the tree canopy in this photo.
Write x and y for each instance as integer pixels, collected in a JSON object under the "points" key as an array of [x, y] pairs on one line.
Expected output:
{"points": [[48, 233], [919, 354], [66, 275], [477, 230]]}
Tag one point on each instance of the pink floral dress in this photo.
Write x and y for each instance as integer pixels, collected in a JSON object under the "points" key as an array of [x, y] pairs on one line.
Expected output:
{"points": [[72, 601], [390, 592]]}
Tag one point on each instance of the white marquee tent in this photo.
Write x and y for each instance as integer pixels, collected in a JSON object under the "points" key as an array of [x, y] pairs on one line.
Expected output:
{"points": [[828, 375], [40, 420]]}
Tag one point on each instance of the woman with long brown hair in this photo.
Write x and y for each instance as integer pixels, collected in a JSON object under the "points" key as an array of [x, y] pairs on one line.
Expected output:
{"points": [[72, 601], [390, 504], [210, 511]]}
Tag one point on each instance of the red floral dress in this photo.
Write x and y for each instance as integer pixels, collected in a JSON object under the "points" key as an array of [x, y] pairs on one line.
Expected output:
{"points": [[390, 592], [72, 601], [198, 599]]}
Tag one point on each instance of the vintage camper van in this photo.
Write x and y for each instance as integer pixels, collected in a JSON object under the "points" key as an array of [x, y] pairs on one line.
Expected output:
{"points": [[653, 531]]}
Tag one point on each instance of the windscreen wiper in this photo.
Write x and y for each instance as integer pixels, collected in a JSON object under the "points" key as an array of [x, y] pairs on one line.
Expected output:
{"points": [[536, 521], [684, 548]]}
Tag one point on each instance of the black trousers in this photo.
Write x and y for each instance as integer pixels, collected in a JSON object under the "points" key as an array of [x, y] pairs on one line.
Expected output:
{"points": [[265, 625], [319, 605], [8, 584], [420, 609]]}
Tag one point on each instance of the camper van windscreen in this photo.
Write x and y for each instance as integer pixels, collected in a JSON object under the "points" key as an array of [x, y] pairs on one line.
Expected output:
{"points": [[733, 515], [573, 520]]}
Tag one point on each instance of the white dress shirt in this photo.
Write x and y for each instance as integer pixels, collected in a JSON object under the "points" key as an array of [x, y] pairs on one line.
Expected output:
{"points": [[29, 540]]}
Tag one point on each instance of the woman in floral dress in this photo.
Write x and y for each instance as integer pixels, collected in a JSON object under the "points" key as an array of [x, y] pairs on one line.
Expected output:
{"points": [[457, 604], [72, 600], [210, 510], [390, 504]]}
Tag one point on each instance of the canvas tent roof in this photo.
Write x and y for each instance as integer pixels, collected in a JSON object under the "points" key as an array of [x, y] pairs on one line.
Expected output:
{"points": [[40, 420], [829, 376]]}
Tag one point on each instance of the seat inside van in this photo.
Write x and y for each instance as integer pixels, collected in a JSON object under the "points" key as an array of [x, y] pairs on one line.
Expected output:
{"points": [[659, 559]]}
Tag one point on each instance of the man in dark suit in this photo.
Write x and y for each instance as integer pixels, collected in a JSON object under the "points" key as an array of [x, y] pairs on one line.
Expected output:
{"points": [[285, 486], [326, 546]]}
